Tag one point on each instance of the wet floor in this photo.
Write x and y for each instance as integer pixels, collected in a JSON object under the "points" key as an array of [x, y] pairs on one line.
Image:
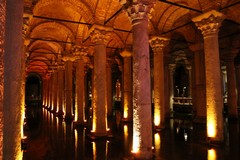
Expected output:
{"points": [[51, 138]]}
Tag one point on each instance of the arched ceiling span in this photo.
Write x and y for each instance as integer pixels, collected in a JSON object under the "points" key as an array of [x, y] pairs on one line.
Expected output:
{"points": [[57, 25]]}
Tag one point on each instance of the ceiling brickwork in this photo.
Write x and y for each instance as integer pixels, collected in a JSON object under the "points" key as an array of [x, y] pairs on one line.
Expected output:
{"points": [[54, 26]]}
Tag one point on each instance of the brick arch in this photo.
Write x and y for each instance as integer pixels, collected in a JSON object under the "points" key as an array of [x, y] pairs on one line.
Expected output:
{"points": [[57, 26], [80, 7]]}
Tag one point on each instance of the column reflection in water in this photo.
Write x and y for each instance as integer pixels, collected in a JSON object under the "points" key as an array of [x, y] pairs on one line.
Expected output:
{"points": [[100, 149], [157, 144], [69, 140], [212, 154], [79, 142], [60, 138], [127, 128]]}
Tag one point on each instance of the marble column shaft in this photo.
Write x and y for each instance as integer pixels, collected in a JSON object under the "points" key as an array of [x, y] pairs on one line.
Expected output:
{"points": [[238, 84], [199, 87], [60, 90], [2, 43], [68, 89], [47, 92], [109, 90], [142, 117], [55, 91], [231, 88], [209, 24], [127, 86], [158, 44], [99, 36], [80, 100], [172, 68], [13, 108], [50, 92]]}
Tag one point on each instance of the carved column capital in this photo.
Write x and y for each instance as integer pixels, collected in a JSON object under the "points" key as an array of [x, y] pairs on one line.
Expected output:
{"points": [[100, 34], [209, 23], [69, 57], [158, 43], [138, 9]]}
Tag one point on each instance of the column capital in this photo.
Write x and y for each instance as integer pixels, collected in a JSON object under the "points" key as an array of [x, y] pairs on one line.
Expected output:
{"points": [[69, 57], [209, 22], [80, 51], [138, 9], [61, 67], [100, 34], [126, 53], [158, 43]]}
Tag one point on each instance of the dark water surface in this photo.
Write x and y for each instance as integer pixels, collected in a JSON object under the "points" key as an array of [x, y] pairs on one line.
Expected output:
{"points": [[51, 138]]}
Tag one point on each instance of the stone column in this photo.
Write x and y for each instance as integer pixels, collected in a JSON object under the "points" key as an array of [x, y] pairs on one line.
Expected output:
{"points": [[209, 24], [14, 61], [79, 53], [47, 90], [99, 36], [142, 118], [109, 90], [127, 86], [238, 84], [2, 42], [50, 91], [44, 90], [231, 88], [199, 86], [158, 44], [55, 88], [172, 68], [60, 90], [189, 69], [69, 86]]}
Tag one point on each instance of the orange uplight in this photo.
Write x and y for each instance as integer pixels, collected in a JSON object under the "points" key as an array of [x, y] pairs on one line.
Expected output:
{"points": [[212, 154], [136, 136], [156, 116], [211, 122]]}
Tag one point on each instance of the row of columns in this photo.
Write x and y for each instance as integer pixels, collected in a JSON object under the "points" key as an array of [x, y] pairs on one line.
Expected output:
{"points": [[58, 88]]}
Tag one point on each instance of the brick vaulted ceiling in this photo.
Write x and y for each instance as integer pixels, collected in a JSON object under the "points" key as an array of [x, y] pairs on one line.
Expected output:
{"points": [[52, 27]]}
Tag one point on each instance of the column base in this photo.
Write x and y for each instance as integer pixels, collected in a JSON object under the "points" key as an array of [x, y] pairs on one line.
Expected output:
{"points": [[68, 118], [60, 113], [79, 124], [158, 128], [95, 135], [143, 155], [211, 142], [53, 111], [126, 119]]}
